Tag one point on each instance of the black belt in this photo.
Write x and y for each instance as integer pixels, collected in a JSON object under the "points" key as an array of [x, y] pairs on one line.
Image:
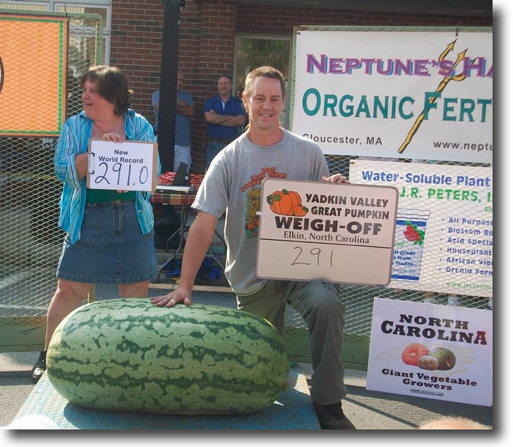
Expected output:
{"points": [[110, 202], [215, 140]]}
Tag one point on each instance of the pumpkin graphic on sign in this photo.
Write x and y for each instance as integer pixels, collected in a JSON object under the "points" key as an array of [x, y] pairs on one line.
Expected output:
{"points": [[286, 203]]}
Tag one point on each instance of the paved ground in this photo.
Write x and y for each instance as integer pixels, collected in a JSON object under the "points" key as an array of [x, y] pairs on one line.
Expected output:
{"points": [[368, 410]]}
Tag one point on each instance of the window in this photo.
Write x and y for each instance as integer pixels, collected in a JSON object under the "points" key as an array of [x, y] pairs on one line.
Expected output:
{"points": [[82, 42], [25, 6], [254, 51], [81, 48]]}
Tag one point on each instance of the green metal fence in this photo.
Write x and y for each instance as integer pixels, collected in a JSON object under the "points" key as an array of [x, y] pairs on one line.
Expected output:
{"points": [[30, 241], [359, 299]]}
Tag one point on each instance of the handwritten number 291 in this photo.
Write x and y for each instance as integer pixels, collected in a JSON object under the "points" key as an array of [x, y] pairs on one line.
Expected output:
{"points": [[315, 252], [117, 167]]}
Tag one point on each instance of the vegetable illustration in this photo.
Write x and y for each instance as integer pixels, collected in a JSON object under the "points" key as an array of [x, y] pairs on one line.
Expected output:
{"points": [[416, 354], [299, 210], [251, 216], [446, 358], [287, 203], [413, 352], [428, 362], [413, 234]]}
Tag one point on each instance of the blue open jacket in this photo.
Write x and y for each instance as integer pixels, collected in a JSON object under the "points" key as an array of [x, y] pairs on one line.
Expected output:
{"points": [[74, 140]]}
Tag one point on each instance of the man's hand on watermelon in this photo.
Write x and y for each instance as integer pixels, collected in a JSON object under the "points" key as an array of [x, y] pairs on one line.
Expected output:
{"points": [[199, 239], [180, 295]]}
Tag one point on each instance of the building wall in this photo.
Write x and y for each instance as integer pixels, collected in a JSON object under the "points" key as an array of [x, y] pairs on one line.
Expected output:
{"points": [[207, 39]]}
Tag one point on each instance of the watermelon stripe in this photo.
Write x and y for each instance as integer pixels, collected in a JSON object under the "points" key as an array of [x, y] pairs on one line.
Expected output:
{"points": [[127, 354]]}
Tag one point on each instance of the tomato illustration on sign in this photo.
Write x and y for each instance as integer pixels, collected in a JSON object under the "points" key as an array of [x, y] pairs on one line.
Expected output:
{"points": [[413, 234], [286, 203], [417, 354], [413, 352]]}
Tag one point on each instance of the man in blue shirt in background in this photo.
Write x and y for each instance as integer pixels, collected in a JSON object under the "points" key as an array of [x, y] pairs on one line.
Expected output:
{"points": [[184, 111], [225, 117]]}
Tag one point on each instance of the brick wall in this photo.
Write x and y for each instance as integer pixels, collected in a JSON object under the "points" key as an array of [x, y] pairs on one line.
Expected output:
{"points": [[136, 39], [207, 39]]}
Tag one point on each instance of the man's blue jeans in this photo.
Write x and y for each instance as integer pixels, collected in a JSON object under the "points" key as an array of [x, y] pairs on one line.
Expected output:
{"points": [[212, 150]]}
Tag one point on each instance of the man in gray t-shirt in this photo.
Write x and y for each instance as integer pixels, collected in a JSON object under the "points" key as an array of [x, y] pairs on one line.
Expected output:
{"points": [[232, 186]]}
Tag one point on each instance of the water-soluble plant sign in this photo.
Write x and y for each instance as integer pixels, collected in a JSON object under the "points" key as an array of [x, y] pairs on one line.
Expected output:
{"points": [[127, 166], [129, 355], [343, 233]]}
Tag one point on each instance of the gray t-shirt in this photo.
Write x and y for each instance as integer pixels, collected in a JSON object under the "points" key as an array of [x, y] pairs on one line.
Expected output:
{"points": [[232, 184]]}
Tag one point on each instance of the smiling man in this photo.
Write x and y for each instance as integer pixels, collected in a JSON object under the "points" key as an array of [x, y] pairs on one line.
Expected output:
{"points": [[232, 184]]}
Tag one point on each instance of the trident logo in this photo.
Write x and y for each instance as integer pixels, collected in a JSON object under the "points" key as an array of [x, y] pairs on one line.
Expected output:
{"points": [[439, 89]]}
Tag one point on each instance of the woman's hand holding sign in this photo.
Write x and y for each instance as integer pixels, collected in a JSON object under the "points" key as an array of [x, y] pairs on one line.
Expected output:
{"points": [[117, 139]]}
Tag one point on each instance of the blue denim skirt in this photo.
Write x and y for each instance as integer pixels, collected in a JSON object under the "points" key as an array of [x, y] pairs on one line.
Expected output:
{"points": [[111, 248]]}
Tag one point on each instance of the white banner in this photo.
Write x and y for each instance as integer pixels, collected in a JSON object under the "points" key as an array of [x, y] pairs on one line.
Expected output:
{"points": [[393, 93], [444, 231], [431, 351]]}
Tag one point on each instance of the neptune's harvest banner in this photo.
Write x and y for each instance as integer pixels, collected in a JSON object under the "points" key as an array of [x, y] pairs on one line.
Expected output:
{"points": [[33, 71], [396, 93]]}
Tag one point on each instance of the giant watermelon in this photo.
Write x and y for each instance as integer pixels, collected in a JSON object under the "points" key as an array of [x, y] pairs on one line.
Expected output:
{"points": [[127, 354]]}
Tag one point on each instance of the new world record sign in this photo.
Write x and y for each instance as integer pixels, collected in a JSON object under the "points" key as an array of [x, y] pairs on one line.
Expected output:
{"points": [[342, 233], [128, 166]]}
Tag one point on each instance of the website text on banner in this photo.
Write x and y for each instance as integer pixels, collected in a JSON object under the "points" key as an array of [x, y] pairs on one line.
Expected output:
{"points": [[396, 93]]}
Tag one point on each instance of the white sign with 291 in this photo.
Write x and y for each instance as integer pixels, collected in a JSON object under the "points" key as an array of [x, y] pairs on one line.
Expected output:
{"points": [[342, 233], [128, 166]]}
